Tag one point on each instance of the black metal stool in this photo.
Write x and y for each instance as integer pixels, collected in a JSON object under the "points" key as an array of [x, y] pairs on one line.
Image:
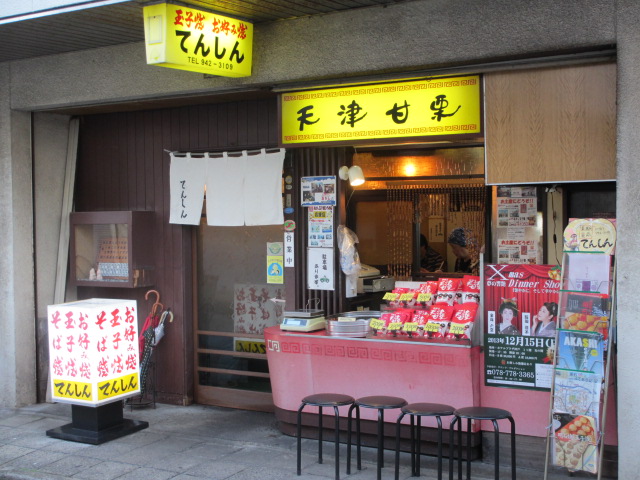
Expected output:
{"points": [[480, 413], [320, 400], [380, 403], [420, 410]]}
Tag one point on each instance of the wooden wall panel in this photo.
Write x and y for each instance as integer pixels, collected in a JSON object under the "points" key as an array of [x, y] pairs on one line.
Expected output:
{"points": [[123, 164], [551, 125]]}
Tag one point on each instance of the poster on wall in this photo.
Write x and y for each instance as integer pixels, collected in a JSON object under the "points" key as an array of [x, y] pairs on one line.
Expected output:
{"points": [[518, 229], [318, 190], [320, 226], [320, 269], [521, 312], [254, 308]]}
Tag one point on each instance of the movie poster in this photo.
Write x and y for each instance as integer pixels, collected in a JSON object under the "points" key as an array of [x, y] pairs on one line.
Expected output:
{"points": [[521, 317]]}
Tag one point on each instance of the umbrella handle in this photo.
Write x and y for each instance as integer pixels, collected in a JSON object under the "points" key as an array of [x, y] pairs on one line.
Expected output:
{"points": [[156, 305]]}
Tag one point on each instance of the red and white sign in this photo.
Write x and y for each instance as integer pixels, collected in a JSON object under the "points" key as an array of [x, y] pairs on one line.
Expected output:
{"points": [[93, 351]]}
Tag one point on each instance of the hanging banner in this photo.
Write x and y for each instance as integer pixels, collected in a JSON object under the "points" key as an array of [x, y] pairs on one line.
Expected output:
{"points": [[521, 316], [320, 269], [177, 36], [425, 108]]}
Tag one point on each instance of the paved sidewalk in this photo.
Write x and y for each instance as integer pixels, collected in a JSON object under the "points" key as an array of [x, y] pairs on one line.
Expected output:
{"points": [[188, 443]]}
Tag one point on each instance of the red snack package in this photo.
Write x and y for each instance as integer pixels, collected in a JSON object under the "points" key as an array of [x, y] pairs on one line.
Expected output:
{"points": [[438, 324], [398, 292], [447, 289], [416, 325], [396, 320], [379, 325], [470, 289], [426, 293], [462, 321]]}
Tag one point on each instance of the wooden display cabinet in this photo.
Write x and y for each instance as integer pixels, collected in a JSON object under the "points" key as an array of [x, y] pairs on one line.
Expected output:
{"points": [[112, 249]]}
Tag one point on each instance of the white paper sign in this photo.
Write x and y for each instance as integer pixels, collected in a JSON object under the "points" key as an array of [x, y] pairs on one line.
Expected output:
{"points": [[320, 226], [289, 250], [320, 269]]}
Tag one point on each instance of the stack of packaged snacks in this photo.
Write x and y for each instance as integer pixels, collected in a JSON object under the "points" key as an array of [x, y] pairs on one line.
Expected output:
{"points": [[443, 310]]}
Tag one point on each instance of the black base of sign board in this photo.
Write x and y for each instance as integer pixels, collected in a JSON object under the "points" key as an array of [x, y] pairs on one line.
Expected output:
{"points": [[96, 425]]}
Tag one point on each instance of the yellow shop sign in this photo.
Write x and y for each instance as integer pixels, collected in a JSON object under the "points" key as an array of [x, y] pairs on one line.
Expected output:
{"points": [[424, 108], [185, 38]]}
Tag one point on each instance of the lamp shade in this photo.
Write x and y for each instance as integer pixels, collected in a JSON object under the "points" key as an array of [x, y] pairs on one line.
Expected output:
{"points": [[356, 177]]}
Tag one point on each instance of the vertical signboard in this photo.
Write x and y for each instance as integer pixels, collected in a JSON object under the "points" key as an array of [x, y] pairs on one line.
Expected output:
{"points": [[93, 351]]}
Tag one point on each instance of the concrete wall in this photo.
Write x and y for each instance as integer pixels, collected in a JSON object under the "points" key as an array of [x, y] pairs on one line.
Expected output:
{"points": [[409, 36], [628, 261], [17, 328]]}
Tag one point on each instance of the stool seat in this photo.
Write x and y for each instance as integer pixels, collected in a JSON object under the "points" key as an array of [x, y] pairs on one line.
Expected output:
{"points": [[328, 400], [381, 401], [428, 409], [491, 414], [321, 400], [419, 410], [482, 413]]}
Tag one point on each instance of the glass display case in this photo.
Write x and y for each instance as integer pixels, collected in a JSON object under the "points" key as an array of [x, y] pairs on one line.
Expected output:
{"points": [[112, 249]]}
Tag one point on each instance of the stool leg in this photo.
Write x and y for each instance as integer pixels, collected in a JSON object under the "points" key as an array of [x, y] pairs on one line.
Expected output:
{"points": [[452, 427], [319, 434], [398, 445], [380, 441], [460, 449], [496, 433], [349, 439], [299, 434], [419, 448], [358, 450], [468, 448], [439, 447], [513, 448], [413, 447], [337, 442]]}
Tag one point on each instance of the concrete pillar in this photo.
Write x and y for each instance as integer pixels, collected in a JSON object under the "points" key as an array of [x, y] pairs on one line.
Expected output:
{"points": [[628, 199], [17, 327]]}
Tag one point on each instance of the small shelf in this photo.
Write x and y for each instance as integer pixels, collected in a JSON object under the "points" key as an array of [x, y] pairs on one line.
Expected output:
{"points": [[112, 249]]}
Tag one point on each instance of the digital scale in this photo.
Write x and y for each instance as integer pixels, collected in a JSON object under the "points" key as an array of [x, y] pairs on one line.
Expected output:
{"points": [[305, 320]]}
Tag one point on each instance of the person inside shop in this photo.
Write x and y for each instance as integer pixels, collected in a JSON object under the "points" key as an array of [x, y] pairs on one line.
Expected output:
{"points": [[463, 247], [544, 323], [509, 313], [430, 260]]}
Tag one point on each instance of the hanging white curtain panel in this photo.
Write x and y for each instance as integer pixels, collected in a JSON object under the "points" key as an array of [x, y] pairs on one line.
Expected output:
{"points": [[242, 189]]}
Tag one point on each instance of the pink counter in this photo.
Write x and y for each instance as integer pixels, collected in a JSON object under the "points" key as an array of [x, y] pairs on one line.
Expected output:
{"points": [[304, 363]]}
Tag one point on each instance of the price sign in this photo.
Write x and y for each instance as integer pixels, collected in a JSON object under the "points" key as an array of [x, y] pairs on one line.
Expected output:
{"points": [[432, 327], [376, 323], [424, 297], [346, 319], [390, 296], [410, 327], [406, 297], [456, 329], [394, 326]]}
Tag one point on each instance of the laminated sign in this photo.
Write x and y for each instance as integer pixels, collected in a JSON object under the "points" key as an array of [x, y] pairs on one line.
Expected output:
{"points": [[93, 351]]}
